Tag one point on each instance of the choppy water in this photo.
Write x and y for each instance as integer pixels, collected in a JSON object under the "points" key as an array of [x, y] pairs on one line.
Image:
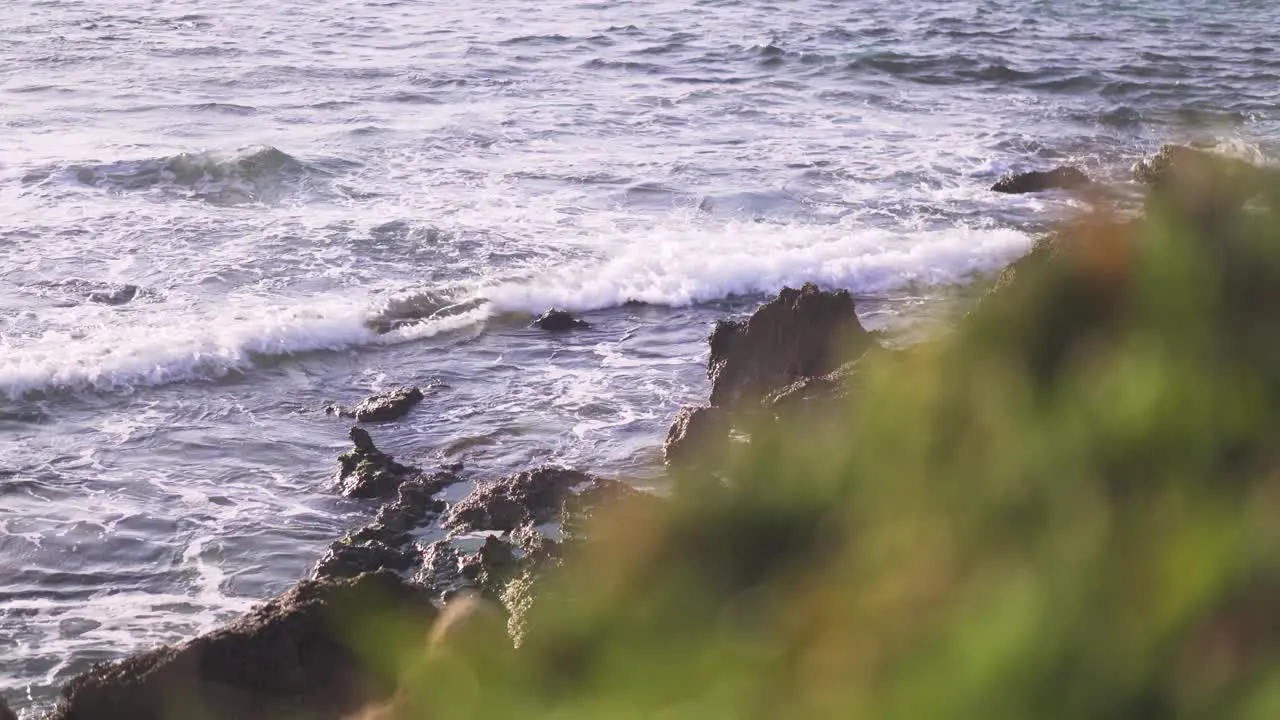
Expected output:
{"points": [[271, 175]]}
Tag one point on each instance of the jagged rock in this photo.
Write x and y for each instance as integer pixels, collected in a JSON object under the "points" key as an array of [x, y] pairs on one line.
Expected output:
{"points": [[1062, 178], [559, 321], [814, 396], [581, 507], [415, 502], [114, 294], [350, 557], [367, 472], [389, 405], [441, 569], [291, 657], [491, 567], [531, 497], [800, 333], [1183, 161], [697, 436]]}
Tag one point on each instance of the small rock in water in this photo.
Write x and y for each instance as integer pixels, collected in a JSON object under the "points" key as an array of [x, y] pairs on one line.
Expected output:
{"points": [[559, 321], [390, 405], [114, 294], [1063, 178]]}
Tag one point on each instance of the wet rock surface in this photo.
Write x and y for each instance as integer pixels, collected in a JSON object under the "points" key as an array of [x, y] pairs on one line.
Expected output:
{"points": [[800, 333], [367, 472], [290, 657], [697, 436], [5, 712], [531, 497], [559, 321], [1061, 178], [386, 406]]}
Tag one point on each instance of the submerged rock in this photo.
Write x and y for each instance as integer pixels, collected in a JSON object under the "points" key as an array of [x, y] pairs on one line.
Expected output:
{"points": [[1062, 178], [291, 657], [114, 294], [698, 435], [367, 472], [531, 497], [559, 321], [800, 333], [389, 405]]}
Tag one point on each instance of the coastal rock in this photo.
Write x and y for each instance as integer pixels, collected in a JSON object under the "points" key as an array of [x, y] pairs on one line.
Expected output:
{"points": [[697, 435], [800, 333], [415, 503], [114, 294], [559, 321], [1062, 178], [288, 658], [367, 472], [389, 405], [350, 557], [531, 497], [5, 712], [490, 568], [441, 569], [1181, 160]]}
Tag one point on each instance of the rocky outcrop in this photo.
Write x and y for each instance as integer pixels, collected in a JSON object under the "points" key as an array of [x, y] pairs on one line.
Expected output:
{"points": [[697, 436], [292, 657], [559, 321], [1181, 161], [385, 543], [1062, 178], [367, 472], [801, 333], [386, 406], [531, 497], [114, 294]]}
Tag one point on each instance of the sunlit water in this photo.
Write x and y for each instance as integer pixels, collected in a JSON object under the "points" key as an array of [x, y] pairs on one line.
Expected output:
{"points": [[270, 175]]}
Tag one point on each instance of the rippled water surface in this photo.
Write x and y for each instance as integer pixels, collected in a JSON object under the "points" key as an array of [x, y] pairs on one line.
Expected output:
{"points": [[271, 176]]}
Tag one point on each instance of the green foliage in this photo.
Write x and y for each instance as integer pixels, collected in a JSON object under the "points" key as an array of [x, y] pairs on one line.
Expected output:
{"points": [[1069, 508]]}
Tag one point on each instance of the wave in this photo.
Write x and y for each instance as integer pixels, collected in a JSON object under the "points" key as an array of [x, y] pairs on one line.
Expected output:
{"points": [[173, 347], [166, 345], [705, 267], [253, 174]]}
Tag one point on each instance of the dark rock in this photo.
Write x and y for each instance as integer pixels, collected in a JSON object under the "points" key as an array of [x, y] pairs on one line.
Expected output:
{"points": [[291, 657], [348, 558], [814, 397], [367, 472], [491, 567], [1063, 178], [559, 321], [531, 497], [800, 333], [582, 506], [698, 436], [415, 503], [1180, 160], [114, 294], [441, 571], [5, 712], [389, 405]]}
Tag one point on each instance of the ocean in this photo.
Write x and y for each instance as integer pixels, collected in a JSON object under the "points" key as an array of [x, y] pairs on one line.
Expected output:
{"points": [[206, 206]]}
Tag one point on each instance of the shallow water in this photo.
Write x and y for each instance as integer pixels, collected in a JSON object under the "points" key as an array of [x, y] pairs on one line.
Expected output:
{"points": [[273, 176]]}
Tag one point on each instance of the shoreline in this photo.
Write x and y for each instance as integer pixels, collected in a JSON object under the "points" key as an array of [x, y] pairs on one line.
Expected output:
{"points": [[517, 503]]}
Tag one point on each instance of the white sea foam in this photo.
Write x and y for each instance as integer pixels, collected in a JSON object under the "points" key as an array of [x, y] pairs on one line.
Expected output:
{"points": [[696, 266]]}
